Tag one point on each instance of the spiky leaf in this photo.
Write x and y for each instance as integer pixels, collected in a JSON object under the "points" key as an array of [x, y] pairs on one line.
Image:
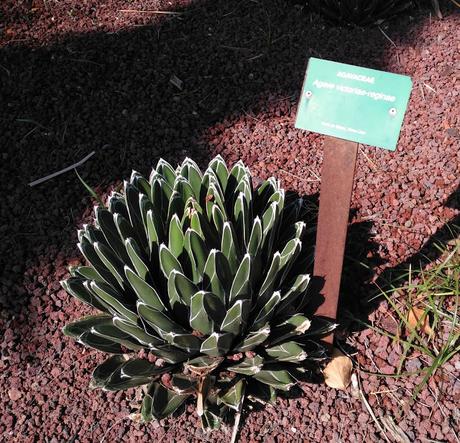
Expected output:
{"points": [[234, 395], [249, 366], [276, 378], [217, 344]]}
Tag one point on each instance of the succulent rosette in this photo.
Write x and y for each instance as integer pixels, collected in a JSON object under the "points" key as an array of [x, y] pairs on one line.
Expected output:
{"points": [[207, 274]]}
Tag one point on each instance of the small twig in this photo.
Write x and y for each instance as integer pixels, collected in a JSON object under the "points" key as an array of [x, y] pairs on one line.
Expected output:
{"points": [[255, 57], [423, 93], [298, 177], [369, 409], [146, 11], [82, 60], [111, 427], [437, 9], [387, 391], [371, 163], [62, 171], [234, 48], [430, 88], [388, 38], [396, 432], [237, 420], [200, 398], [6, 70]]}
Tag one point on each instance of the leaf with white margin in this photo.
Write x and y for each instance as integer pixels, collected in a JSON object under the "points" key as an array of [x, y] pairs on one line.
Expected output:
{"points": [[234, 395], [289, 351], [277, 378], [217, 344], [236, 317], [267, 311], [254, 339], [249, 366]]}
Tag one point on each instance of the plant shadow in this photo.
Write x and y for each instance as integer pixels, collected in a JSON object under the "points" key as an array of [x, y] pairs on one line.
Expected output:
{"points": [[150, 87]]}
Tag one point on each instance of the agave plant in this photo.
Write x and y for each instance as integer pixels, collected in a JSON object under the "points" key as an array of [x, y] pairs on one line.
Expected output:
{"points": [[359, 12], [207, 276]]}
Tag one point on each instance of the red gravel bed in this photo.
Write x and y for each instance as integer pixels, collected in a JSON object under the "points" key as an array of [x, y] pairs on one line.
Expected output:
{"points": [[82, 76]]}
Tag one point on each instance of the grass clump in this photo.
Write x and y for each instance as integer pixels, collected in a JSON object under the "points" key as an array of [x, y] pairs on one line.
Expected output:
{"points": [[427, 311]]}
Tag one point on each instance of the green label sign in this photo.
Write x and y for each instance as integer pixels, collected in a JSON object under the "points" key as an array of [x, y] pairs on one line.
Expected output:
{"points": [[353, 103]]}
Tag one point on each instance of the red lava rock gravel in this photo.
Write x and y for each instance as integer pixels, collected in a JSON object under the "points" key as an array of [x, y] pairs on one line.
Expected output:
{"points": [[82, 76]]}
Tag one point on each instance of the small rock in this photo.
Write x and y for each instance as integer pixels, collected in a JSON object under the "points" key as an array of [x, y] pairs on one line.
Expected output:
{"points": [[14, 394]]}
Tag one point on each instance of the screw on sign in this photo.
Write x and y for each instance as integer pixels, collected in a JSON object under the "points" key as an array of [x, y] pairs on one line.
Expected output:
{"points": [[350, 105]]}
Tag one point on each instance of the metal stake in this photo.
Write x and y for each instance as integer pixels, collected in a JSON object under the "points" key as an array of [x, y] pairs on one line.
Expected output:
{"points": [[337, 175]]}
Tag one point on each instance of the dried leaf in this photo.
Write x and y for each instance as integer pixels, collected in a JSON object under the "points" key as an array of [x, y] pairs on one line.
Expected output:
{"points": [[337, 373], [419, 320], [136, 417]]}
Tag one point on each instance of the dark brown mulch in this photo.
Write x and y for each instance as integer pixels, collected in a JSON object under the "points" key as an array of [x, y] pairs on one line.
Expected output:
{"points": [[81, 76]]}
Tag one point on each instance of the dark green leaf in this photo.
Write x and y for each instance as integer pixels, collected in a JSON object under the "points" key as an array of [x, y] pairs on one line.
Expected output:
{"points": [[86, 272], [138, 367], [255, 240], [168, 262], [198, 253], [217, 275], [115, 300], [249, 366], [108, 227], [192, 173], [165, 401], [159, 321], [234, 395], [111, 262], [166, 171], [135, 215], [277, 378], [111, 332], [229, 247], [203, 365], [137, 333], [199, 318], [146, 409], [236, 317], [180, 288], [75, 287], [144, 291], [289, 351], [188, 342], [295, 291], [176, 236], [183, 384], [171, 354], [100, 343], [266, 290], [217, 344], [260, 392], [293, 326], [266, 312], [254, 339], [241, 286], [220, 169], [103, 372], [85, 324], [137, 258]]}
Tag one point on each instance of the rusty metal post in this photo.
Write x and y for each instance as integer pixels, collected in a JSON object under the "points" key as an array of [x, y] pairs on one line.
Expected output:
{"points": [[337, 175]]}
